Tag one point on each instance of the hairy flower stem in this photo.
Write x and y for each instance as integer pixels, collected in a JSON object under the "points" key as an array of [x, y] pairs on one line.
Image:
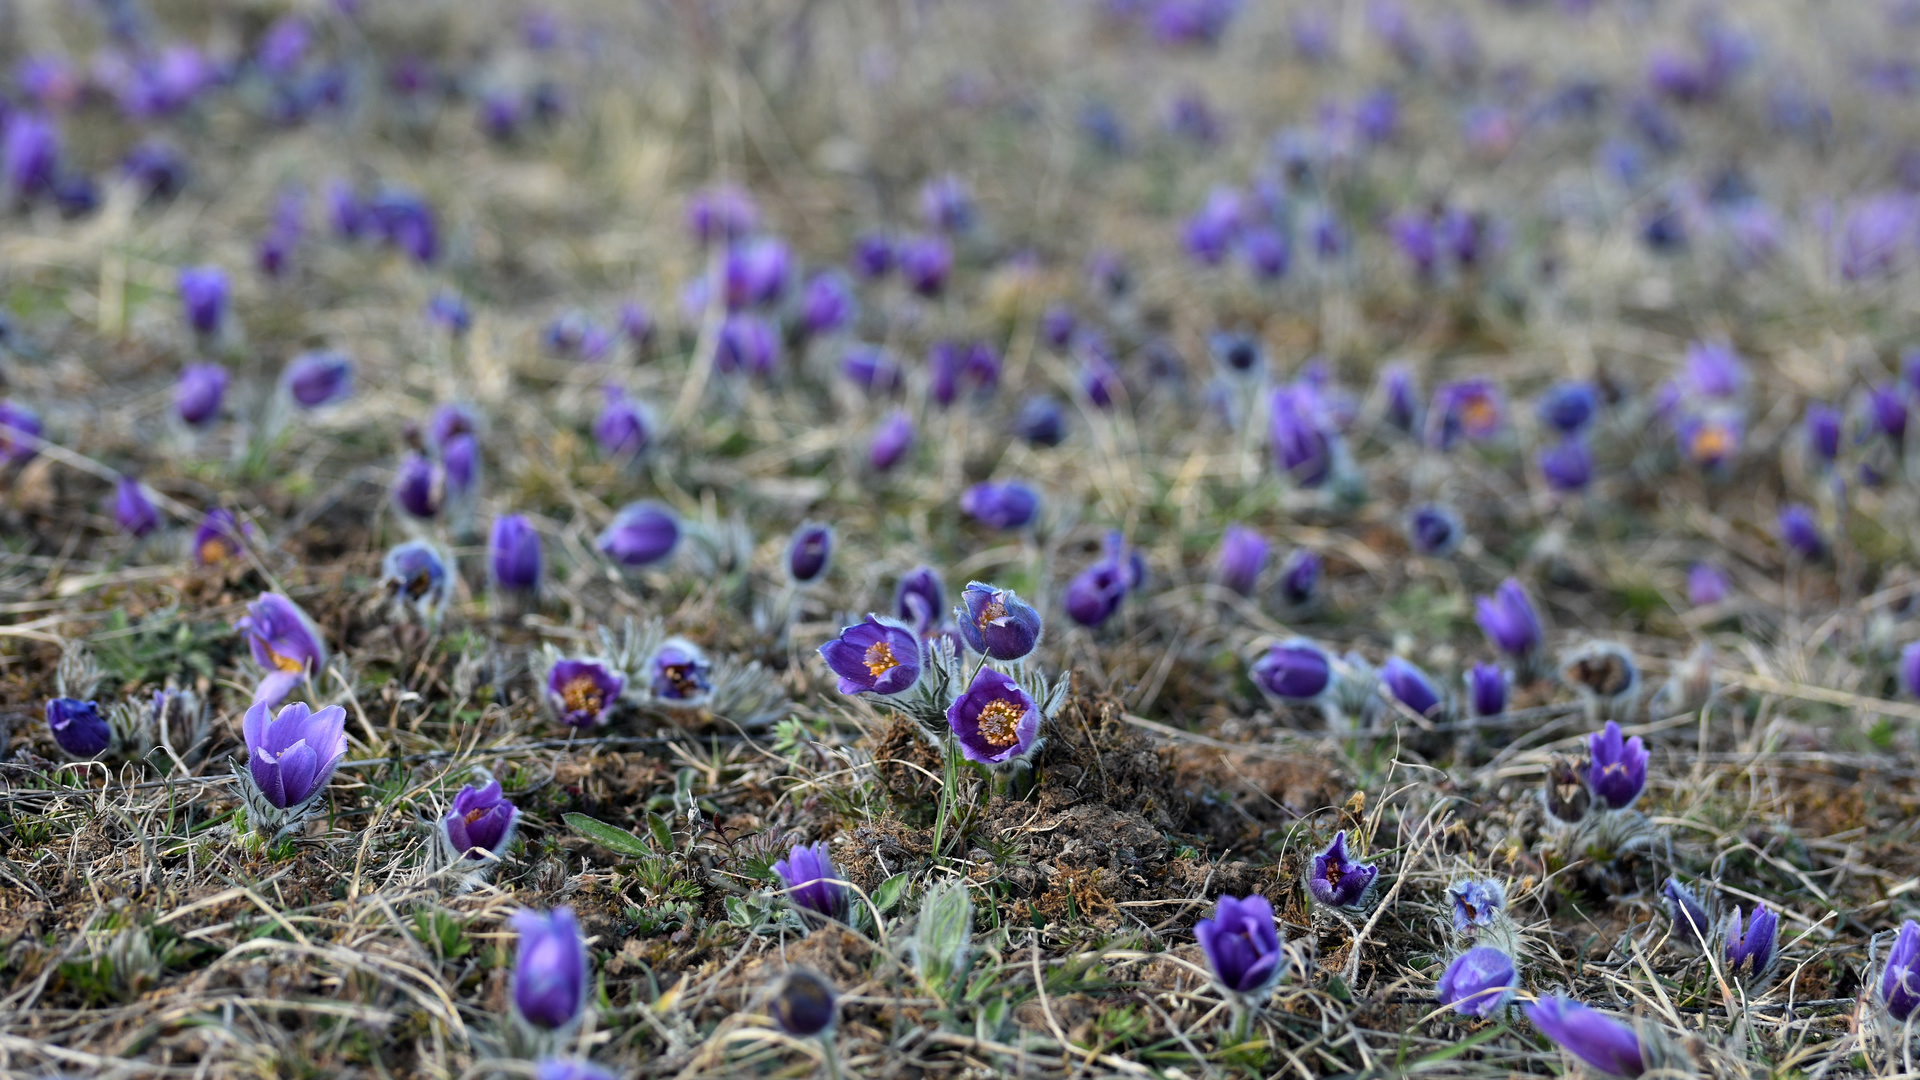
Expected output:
{"points": [[949, 778], [832, 1058]]}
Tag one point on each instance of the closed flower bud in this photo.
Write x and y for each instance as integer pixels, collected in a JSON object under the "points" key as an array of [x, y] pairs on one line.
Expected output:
{"points": [[1508, 619], [640, 534], [417, 488], [204, 293], [1040, 421], [78, 727], [513, 556], [1899, 984], [994, 721], [811, 882], [1411, 686], [1402, 397], [809, 553], [890, 442], [1294, 671], [1706, 585], [1800, 531], [564, 1069], [1910, 668], [198, 394], [1303, 447], [1242, 945], [827, 303], [1566, 465], [1597, 1039], [925, 262], [920, 600], [1300, 577], [1434, 530], [996, 623], [802, 1004], [1486, 690], [318, 378], [747, 343], [1337, 881], [1479, 982], [871, 369], [623, 429], [133, 511], [450, 313], [872, 256], [19, 433], [1001, 506], [1243, 554], [1567, 407], [581, 693], [724, 212], [1692, 922], [1823, 432], [550, 969]]}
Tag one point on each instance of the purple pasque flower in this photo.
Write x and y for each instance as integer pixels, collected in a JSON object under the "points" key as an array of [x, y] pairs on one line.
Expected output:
{"points": [[920, 600], [133, 511], [623, 429], [1003, 506], [1402, 396], [1910, 668], [1479, 982], [199, 392], [1899, 985], [637, 323], [1243, 554], [569, 1069], [155, 169], [19, 433], [1566, 465], [995, 721], [827, 303], [802, 1004], [811, 881], [1592, 1036], [1568, 407], [1617, 770], [292, 755], [1508, 619], [891, 441], [284, 642], [403, 220], [1706, 585], [1752, 946], [872, 256], [1709, 440], [1300, 577], [995, 622], [1303, 447], [550, 969], [1337, 881], [925, 263], [879, 656], [1692, 923], [1410, 686], [640, 534], [480, 824], [416, 575], [1242, 944], [204, 295], [809, 553], [1294, 671], [746, 343], [218, 538], [1096, 593], [1486, 690], [78, 727], [1800, 531], [1212, 231], [513, 556], [1477, 904], [1414, 232], [1875, 239], [1713, 370], [1040, 421], [1434, 530], [1823, 424], [946, 205], [1886, 409], [1237, 354], [1057, 326], [1468, 408], [418, 487], [29, 154], [582, 692], [755, 272], [871, 368], [680, 674], [314, 379], [1268, 253], [721, 212]]}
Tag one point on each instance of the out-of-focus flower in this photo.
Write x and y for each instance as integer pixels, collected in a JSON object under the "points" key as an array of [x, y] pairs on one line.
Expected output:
{"points": [[871, 368], [926, 262], [1214, 229], [1410, 686], [802, 1004], [415, 574], [285, 644], [1001, 506], [637, 323], [891, 441], [640, 534], [550, 970], [994, 721], [1564, 793], [827, 303], [417, 487], [292, 755], [1568, 407], [1823, 423], [1337, 881], [811, 881], [1242, 945], [314, 379], [1566, 465], [1237, 354], [1469, 408], [78, 727], [133, 511], [569, 1069], [500, 114], [19, 433], [1706, 585], [1434, 530], [622, 429], [1057, 325], [1713, 370], [747, 343], [872, 256], [1709, 441], [756, 271], [1800, 531], [1887, 411], [1295, 671], [1477, 904], [29, 154], [1300, 577], [1875, 239], [1095, 594], [1618, 770], [1486, 690], [404, 220], [946, 205], [204, 293], [680, 674], [1243, 554], [810, 552], [1692, 923], [995, 622], [1040, 421], [1910, 668], [217, 539], [1268, 253], [284, 46], [1592, 1036], [513, 556], [1508, 619], [920, 600], [1303, 448], [581, 692], [450, 313], [878, 656], [1899, 983], [1479, 982], [1402, 397], [1751, 948], [722, 212], [480, 824], [1605, 676]]}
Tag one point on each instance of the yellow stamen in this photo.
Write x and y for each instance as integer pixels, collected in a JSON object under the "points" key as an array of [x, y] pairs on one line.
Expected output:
{"points": [[1000, 723], [880, 659], [994, 610], [1479, 414], [284, 662], [213, 550], [1712, 442], [581, 694], [476, 815], [682, 678]]}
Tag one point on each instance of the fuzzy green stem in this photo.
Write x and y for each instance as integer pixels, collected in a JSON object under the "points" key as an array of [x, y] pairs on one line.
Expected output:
{"points": [[833, 1059]]}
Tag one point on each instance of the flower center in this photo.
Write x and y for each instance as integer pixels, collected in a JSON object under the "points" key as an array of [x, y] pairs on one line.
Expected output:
{"points": [[419, 585], [1478, 414], [880, 659], [682, 678], [1711, 442], [477, 814], [1000, 722], [214, 549], [284, 662], [1333, 873], [995, 609], [581, 694]]}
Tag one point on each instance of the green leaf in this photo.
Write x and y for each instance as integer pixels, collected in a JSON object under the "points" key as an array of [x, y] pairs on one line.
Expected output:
{"points": [[662, 832], [890, 892], [618, 841]]}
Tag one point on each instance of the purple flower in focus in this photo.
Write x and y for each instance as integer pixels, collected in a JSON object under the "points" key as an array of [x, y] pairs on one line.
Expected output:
{"points": [[550, 978], [480, 823], [1479, 982], [133, 511], [996, 622], [1242, 945], [1003, 506], [811, 882], [1692, 924], [314, 379], [1592, 1036], [292, 755], [640, 534], [878, 656], [1899, 984], [78, 727], [995, 721], [1617, 772], [582, 692], [891, 441], [1750, 948], [1337, 881], [285, 644]]}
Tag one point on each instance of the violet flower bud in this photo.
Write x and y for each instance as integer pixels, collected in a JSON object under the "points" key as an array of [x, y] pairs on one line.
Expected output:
{"points": [[29, 154], [1243, 554], [1057, 325], [680, 674], [871, 369], [1434, 530], [995, 622], [513, 556], [920, 600], [1751, 949], [1410, 686], [1618, 770], [1003, 506], [1300, 577], [640, 534], [811, 881], [1337, 881], [994, 721], [581, 693], [480, 823], [891, 441], [802, 1003], [637, 323], [723, 212], [1566, 465], [1567, 407], [292, 755], [1095, 594], [1592, 1036], [285, 644], [925, 263], [1041, 422], [1267, 252], [1692, 923], [1899, 984], [78, 727], [418, 488], [946, 205], [1479, 982], [747, 343], [133, 511], [879, 656], [1477, 904], [1800, 531], [1303, 448], [550, 969], [1507, 618], [404, 220], [872, 256], [809, 553], [1402, 397], [19, 433], [204, 294], [450, 313], [1294, 671], [623, 429], [1910, 668], [1242, 945], [1823, 432], [1706, 585], [1486, 690], [318, 378], [827, 303], [198, 394]]}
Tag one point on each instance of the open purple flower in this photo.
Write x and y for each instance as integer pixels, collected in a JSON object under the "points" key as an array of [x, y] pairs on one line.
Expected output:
{"points": [[1590, 1035], [197, 396], [1470, 408], [1337, 881], [582, 693], [416, 575], [480, 824], [1508, 620], [1618, 770], [218, 538], [1709, 440], [679, 674], [1242, 944], [878, 656], [1410, 686], [1243, 554], [1751, 948], [995, 721], [284, 642], [1476, 904], [550, 970], [811, 881], [1910, 668], [640, 534], [1899, 985], [1001, 506], [292, 755], [996, 622], [1479, 982], [1294, 671], [133, 511], [78, 727]]}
